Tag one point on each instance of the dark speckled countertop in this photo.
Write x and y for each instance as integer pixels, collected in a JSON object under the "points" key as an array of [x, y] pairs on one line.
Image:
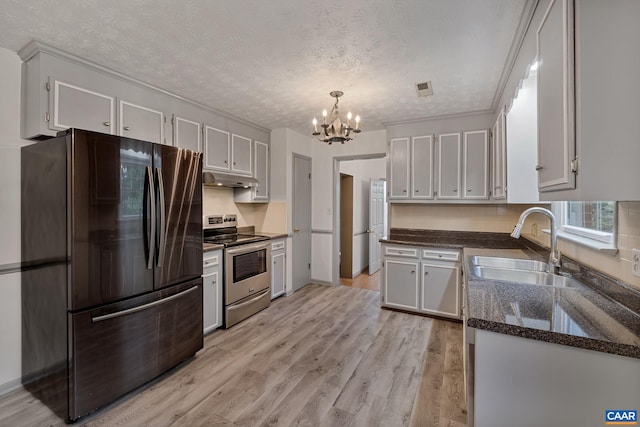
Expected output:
{"points": [[577, 316], [453, 239]]}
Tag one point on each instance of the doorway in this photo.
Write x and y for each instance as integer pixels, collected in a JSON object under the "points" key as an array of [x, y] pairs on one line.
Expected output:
{"points": [[361, 168], [346, 221]]}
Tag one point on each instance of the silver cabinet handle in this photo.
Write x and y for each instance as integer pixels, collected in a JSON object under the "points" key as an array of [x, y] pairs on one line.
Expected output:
{"points": [[296, 230], [226, 162], [404, 191], [426, 272], [417, 190], [142, 307], [539, 168], [413, 272], [106, 124], [455, 190], [126, 128], [468, 189]]}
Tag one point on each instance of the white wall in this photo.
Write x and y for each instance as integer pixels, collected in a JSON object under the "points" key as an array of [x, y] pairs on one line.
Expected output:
{"points": [[10, 143], [372, 143], [362, 171]]}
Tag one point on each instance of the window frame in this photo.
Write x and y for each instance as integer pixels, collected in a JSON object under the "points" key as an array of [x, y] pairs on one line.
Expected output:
{"points": [[585, 236]]}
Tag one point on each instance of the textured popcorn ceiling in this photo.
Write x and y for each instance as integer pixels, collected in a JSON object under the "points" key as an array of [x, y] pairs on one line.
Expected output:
{"points": [[274, 62]]}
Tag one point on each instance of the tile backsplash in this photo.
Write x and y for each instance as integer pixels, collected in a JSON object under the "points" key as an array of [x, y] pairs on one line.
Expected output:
{"points": [[503, 218]]}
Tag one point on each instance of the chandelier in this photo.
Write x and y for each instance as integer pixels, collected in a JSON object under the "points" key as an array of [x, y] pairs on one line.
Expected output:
{"points": [[333, 128]]}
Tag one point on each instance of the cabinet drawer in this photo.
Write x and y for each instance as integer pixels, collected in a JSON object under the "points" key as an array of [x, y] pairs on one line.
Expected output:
{"points": [[277, 245], [210, 259], [442, 255], [401, 251]]}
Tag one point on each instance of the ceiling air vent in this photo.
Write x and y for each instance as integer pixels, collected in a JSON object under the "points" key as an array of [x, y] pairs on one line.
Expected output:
{"points": [[424, 89]]}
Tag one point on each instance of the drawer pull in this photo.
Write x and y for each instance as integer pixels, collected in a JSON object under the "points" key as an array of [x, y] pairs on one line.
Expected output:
{"points": [[106, 124], [141, 307]]}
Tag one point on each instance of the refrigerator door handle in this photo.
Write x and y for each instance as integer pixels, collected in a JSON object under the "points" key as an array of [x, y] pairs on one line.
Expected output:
{"points": [[163, 225], [152, 234]]}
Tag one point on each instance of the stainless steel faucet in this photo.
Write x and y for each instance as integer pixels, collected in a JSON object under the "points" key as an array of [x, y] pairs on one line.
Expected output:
{"points": [[555, 255]]}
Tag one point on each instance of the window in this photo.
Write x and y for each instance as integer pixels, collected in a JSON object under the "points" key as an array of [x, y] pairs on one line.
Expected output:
{"points": [[590, 223]]}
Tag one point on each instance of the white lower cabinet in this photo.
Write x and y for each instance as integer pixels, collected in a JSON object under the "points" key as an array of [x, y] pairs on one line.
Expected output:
{"points": [[212, 290], [278, 267], [440, 289], [424, 280]]}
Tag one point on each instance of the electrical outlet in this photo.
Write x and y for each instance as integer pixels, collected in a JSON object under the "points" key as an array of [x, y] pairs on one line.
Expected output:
{"points": [[635, 262]]}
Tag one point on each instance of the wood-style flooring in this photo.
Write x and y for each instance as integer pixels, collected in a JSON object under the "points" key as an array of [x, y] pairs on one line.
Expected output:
{"points": [[325, 356], [363, 281]]}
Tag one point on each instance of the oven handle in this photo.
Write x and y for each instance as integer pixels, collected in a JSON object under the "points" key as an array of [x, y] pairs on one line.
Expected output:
{"points": [[252, 300], [243, 249]]}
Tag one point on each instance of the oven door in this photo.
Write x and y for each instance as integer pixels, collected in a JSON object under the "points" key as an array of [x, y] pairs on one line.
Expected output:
{"points": [[247, 270]]}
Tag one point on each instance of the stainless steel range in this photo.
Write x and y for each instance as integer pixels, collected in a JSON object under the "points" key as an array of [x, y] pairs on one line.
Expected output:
{"points": [[247, 270]]}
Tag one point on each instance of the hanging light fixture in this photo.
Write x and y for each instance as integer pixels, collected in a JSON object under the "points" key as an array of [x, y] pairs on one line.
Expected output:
{"points": [[333, 129]]}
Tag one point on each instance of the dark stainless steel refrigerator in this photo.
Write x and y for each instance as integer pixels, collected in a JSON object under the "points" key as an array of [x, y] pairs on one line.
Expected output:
{"points": [[112, 244]]}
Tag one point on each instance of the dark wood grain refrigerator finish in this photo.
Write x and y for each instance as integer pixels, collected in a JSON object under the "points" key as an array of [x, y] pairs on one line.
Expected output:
{"points": [[112, 228]]}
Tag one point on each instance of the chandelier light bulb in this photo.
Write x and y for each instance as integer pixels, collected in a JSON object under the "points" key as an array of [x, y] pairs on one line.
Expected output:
{"points": [[349, 115]]}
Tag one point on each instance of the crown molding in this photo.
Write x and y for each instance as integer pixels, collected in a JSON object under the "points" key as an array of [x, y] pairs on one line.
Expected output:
{"points": [[518, 39], [440, 117], [35, 46]]}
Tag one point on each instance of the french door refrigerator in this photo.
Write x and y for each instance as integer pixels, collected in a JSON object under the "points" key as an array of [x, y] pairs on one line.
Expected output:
{"points": [[112, 249]]}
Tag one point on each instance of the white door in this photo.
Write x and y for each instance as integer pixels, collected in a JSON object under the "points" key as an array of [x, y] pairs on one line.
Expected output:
{"points": [[301, 251], [376, 223]]}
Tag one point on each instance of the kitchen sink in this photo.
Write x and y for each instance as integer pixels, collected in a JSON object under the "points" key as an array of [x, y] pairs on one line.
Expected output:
{"points": [[510, 263], [529, 277]]}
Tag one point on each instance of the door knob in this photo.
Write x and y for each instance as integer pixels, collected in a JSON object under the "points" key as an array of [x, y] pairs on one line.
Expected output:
{"points": [[296, 230], [370, 231]]}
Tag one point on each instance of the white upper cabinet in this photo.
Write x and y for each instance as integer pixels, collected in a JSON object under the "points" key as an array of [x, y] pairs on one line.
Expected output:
{"points": [[240, 155], [399, 168], [422, 167], [76, 107], [588, 101], [556, 106], [217, 144], [411, 168], [140, 122], [449, 154], [476, 165], [186, 134], [499, 156], [261, 191]]}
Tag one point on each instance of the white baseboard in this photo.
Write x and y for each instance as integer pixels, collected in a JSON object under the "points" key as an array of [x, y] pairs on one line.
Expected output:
{"points": [[10, 386]]}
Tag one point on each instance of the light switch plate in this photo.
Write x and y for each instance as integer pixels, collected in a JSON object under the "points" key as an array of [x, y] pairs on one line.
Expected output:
{"points": [[635, 262]]}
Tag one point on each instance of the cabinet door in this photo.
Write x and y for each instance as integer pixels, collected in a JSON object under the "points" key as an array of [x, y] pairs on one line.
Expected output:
{"points": [[186, 134], [440, 289], [80, 108], [216, 149], [449, 166], [277, 274], [139, 122], [399, 168], [241, 154], [261, 191], [422, 167], [476, 165], [401, 284], [499, 158], [212, 308], [556, 98]]}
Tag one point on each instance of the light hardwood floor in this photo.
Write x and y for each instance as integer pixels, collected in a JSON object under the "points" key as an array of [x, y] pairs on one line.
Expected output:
{"points": [[325, 356], [363, 281]]}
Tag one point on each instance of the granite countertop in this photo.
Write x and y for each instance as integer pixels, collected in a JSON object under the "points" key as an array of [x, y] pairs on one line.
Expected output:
{"points": [[576, 316], [206, 247], [273, 236], [453, 239]]}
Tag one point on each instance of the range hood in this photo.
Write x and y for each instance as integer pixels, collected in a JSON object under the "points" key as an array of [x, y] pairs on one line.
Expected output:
{"points": [[217, 179]]}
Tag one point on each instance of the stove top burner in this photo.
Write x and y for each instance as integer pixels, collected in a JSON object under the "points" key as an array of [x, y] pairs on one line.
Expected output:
{"points": [[229, 240]]}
